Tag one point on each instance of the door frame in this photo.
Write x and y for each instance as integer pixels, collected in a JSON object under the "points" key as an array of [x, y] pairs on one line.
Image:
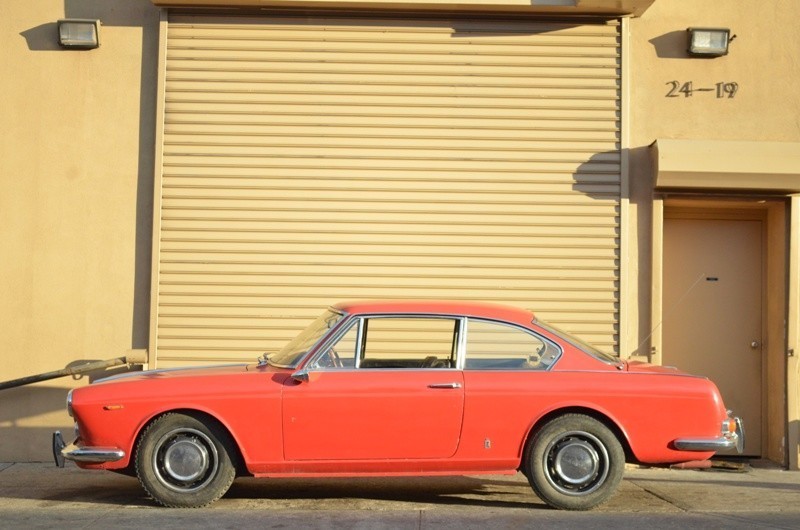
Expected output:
{"points": [[773, 214]]}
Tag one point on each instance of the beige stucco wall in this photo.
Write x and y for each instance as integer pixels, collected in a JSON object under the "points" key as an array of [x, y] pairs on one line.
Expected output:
{"points": [[77, 171], [75, 202], [763, 61]]}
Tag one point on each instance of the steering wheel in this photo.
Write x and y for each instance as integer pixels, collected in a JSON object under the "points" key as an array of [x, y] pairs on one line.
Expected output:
{"points": [[329, 359], [335, 360], [434, 362]]}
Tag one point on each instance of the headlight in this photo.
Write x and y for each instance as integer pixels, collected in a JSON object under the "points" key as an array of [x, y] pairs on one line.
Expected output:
{"points": [[69, 404]]}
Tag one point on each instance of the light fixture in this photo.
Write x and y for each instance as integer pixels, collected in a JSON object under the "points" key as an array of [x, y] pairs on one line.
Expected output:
{"points": [[709, 42], [82, 33]]}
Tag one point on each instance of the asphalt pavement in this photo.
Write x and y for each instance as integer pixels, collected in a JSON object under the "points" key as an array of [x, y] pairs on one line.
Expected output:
{"points": [[754, 494]]}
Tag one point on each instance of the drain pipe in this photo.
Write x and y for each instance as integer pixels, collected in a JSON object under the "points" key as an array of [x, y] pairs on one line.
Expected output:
{"points": [[90, 366]]}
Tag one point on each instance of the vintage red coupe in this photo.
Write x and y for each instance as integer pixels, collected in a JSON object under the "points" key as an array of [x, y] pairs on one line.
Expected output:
{"points": [[402, 388]]}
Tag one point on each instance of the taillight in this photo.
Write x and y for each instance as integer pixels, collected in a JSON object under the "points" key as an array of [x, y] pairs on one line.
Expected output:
{"points": [[729, 426]]}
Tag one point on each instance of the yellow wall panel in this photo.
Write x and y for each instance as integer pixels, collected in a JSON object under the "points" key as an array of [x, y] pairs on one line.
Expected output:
{"points": [[318, 159]]}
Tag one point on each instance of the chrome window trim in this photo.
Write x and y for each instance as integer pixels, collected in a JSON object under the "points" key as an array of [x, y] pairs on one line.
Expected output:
{"points": [[317, 351], [393, 370], [315, 348], [585, 347], [461, 350], [328, 341], [545, 340], [461, 342], [359, 343]]}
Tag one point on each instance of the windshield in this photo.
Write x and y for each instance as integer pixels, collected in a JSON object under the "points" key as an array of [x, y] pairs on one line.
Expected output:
{"points": [[292, 353], [580, 344]]}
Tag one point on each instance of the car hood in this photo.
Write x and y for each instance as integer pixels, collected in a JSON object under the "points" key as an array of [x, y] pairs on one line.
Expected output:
{"points": [[169, 373]]}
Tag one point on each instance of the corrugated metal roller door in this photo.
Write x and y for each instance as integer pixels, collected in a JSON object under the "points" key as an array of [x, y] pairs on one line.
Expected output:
{"points": [[310, 160]]}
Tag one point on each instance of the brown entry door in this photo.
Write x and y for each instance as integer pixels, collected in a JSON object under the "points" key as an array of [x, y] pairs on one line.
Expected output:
{"points": [[712, 310]]}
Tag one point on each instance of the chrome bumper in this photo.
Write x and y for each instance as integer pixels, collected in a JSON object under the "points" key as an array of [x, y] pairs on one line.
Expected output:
{"points": [[90, 455], [728, 440]]}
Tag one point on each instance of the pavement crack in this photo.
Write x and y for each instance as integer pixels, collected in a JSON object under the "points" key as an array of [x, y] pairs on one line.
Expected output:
{"points": [[666, 499], [659, 496]]}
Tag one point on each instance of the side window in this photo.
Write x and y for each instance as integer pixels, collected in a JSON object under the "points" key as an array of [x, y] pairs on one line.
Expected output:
{"points": [[495, 346], [409, 342]]}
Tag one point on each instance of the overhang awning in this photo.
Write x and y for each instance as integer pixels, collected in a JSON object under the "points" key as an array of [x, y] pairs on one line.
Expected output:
{"points": [[561, 7], [726, 165]]}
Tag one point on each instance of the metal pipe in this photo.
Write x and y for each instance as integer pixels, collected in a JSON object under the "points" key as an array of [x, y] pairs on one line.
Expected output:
{"points": [[75, 370]]}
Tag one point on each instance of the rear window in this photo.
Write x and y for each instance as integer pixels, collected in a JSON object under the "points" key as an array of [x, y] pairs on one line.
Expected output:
{"points": [[580, 344]]}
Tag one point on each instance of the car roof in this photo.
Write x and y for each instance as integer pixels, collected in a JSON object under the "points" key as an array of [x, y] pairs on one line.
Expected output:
{"points": [[438, 307]]}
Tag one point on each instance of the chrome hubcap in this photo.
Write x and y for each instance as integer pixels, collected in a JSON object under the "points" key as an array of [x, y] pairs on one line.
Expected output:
{"points": [[576, 463], [185, 460]]}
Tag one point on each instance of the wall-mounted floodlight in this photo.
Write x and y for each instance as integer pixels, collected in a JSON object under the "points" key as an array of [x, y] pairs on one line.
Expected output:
{"points": [[79, 33], [709, 42]]}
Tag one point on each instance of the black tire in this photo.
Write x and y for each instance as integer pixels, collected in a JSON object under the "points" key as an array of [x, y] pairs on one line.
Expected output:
{"points": [[185, 462], [574, 462]]}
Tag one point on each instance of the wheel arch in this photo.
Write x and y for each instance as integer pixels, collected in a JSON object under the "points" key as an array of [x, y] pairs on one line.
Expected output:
{"points": [[605, 419], [200, 415]]}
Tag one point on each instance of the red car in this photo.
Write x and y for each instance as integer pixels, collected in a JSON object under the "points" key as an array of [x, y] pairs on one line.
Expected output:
{"points": [[402, 388]]}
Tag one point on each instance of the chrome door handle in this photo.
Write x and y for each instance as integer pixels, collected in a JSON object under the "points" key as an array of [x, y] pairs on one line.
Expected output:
{"points": [[444, 385]]}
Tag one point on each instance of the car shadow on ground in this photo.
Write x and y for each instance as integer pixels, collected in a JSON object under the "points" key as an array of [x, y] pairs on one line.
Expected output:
{"points": [[47, 487], [384, 492]]}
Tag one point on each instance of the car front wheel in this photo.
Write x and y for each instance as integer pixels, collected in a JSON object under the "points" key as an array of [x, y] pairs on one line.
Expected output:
{"points": [[183, 461], [574, 462]]}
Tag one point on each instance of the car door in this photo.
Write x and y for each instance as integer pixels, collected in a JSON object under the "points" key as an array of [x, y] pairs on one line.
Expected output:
{"points": [[388, 388], [506, 369]]}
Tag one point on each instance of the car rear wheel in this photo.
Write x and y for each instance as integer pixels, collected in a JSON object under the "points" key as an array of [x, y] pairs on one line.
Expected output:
{"points": [[574, 462], [183, 461]]}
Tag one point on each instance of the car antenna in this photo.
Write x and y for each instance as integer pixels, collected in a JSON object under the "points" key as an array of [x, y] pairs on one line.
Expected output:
{"points": [[671, 310]]}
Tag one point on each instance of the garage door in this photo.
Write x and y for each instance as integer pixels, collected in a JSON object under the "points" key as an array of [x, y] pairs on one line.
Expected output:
{"points": [[310, 160]]}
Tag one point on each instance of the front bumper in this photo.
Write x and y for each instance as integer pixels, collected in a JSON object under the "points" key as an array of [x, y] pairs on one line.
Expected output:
{"points": [[89, 455], [727, 440]]}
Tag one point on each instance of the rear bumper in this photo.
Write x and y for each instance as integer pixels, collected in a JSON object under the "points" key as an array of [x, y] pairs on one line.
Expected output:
{"points": [[89, 455], [727, 440]]}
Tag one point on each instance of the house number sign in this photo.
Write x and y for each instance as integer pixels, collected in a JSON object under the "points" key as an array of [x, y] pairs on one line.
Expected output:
{"points": [[724, 89]]}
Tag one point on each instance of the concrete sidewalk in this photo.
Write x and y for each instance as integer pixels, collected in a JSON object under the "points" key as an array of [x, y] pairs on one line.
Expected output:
{"points": [[38, 495]]}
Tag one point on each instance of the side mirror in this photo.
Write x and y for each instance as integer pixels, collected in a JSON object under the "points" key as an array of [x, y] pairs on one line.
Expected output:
{"points": [[301, 376]]}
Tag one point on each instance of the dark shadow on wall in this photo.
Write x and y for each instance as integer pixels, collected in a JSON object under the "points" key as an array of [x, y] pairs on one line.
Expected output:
{"points": [[140, 13], [671, 45], [34, 399], [125, 13], [641, 195], [600, 178], [477, 29], [793, 445], [42, 38], [26, 401], [18, 405]]}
